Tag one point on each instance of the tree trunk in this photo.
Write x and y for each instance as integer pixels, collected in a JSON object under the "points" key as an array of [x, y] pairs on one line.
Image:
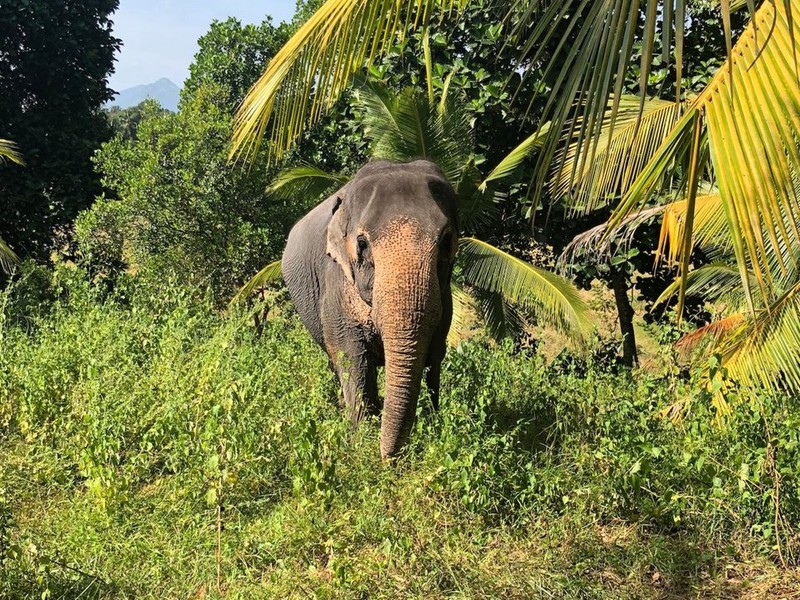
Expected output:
{"points": [[619, 283]]}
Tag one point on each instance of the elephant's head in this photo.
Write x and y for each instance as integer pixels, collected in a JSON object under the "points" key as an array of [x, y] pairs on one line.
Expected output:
{"points": [[394, 233]]}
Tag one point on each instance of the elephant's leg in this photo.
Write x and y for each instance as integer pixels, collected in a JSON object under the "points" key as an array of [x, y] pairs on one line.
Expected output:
{"points": [[354, 376], [372, 401], [432, 381]]}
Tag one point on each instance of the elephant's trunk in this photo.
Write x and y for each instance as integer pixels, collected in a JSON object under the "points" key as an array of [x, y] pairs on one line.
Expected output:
{"points": [[407, 308]]}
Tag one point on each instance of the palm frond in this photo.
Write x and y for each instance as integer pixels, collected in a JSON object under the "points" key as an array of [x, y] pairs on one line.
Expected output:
{"points": [[710, 227], [749, 119], [408, 125], [266, 276], [592, 46], [500, 317], [306, 181], [709, 334], [552, 299], [10, 151], [738, 4], [714, 282], [620, 152], [668, 160], [596, 241], [8, 259], [464, 311], [477, 206], [310, 72], [763, 350], [514, 158]]}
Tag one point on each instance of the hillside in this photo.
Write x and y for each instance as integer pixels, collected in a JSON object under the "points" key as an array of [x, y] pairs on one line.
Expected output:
{"points": [[162, 90]]}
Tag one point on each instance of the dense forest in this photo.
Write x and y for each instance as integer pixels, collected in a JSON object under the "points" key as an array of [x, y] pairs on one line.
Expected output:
{"points": [[617, 415]]}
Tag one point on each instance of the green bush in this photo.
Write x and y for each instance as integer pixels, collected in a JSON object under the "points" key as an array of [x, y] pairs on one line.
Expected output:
{"points": [[179, 208]]}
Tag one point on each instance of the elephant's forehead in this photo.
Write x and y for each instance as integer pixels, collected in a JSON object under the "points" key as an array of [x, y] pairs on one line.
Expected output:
{"points": [[385, 202]]}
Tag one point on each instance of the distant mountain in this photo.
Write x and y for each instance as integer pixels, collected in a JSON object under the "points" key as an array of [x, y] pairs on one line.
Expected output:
{"points": [[162, 90]]}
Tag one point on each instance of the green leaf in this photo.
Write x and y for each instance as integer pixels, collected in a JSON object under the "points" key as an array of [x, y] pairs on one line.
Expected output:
{"points": [[8, 259], [269, 274], [408, 125], [514, 158], [305, 181], [9, 151], [553, 299]]}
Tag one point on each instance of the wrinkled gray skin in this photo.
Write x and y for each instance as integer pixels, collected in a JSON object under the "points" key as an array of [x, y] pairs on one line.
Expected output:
{"points": [[369, 272]]}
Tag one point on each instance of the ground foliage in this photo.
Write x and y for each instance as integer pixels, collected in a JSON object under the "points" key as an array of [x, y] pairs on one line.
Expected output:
{"points": [[151, 447]]}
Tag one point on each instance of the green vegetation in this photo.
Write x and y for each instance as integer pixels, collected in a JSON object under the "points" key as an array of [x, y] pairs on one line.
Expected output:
{"points": [[154, 444], [54, 66], [153, 448], [181, 209]]}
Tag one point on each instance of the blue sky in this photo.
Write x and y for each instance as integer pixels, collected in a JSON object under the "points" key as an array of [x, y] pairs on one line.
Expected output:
{"points": [[159, 37]]}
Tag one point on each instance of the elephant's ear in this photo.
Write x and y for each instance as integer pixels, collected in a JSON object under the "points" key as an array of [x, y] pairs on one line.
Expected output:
{"points": [[337, 237]]}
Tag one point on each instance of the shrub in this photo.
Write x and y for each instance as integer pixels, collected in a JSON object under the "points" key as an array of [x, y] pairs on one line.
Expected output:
{"points": [[179, 207]]}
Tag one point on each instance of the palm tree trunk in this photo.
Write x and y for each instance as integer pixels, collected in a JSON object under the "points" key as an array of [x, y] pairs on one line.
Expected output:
{"points": [[619, 283]]}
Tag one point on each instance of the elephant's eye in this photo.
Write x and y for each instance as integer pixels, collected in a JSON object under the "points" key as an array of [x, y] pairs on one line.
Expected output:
{"points": [[362, 245]]}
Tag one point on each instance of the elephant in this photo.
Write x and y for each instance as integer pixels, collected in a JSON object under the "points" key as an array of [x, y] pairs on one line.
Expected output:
{"points": [[369, 272]]}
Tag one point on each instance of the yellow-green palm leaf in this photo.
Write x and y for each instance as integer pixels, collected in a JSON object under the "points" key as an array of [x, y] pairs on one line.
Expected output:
{"points": [[7, 258], [9, 151], [309, 74], [514, 159], [464, 314], [749, 119], [617, 155], [718, 282], [764, 349], [710, 228], [553, 299], [305, 181], [593, 43]]}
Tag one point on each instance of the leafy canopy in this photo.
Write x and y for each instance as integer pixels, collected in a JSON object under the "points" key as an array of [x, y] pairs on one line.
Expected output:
{"points": [[54, 64]]}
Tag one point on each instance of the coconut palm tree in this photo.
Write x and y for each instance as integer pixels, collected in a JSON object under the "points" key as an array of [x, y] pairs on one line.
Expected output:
{"points": [[755, 344], [741, 131]]}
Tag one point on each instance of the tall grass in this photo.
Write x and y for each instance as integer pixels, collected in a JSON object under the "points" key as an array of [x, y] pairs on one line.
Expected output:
{"points": [[152, 447]]}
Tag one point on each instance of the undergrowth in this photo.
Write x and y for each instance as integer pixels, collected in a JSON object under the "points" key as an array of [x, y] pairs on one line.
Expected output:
{"points": [[152, 447]]}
